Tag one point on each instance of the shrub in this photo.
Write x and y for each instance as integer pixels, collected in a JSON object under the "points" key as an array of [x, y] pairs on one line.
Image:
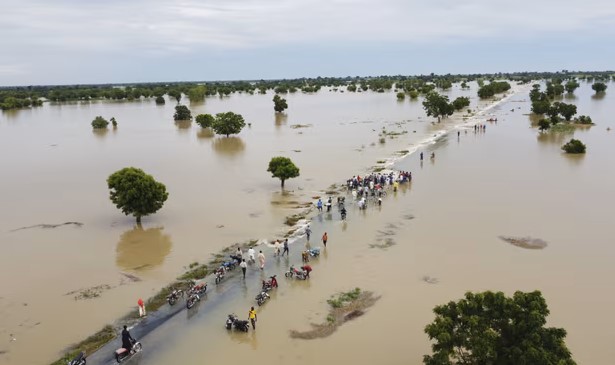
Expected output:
{"points": [[99, 123], [574, 146]]}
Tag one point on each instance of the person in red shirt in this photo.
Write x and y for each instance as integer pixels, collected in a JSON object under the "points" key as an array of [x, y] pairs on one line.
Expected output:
{"points": [[307, 269], [141, 307]]}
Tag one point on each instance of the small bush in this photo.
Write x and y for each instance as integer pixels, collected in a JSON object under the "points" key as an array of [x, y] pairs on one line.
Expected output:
{"points": [[574, 146], [99, 123], [583, 119]]}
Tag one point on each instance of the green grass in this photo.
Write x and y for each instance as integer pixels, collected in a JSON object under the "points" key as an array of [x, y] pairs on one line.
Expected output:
{"points": [[89, 345], [344, 298]]}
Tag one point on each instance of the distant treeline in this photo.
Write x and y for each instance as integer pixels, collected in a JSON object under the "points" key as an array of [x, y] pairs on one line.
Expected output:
{"points": [[26, 96]]}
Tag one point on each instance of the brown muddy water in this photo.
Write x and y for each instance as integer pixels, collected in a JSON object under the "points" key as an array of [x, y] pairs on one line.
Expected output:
{"points": [[504, 182]]}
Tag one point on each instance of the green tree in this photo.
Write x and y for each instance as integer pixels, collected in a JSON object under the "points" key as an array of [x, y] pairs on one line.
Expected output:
{"points": [[99, 123], [461, 102], [541, 106], [228, 123], [136, 193], [113, 122], [544, 124], [574, 146], [566, 110], [352, 88], [571, 86], [197, 93], [490, 328], [182, 113], [205, 120], [583, 119], [159, 100], [282, 168], [414, 94], [437, 105], [401, 96], [599, 87], [279, 104]]}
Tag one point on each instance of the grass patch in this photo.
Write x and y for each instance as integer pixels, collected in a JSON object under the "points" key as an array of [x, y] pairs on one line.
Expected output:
{"points": [[291, 220], [343, 308], [195, 273], [563, 128], [89, 345]]}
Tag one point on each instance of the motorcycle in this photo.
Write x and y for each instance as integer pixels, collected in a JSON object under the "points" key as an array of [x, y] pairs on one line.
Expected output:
{"points": [[233, 321], [299, 274], [314, 252], [174, 296], [220, 274], [78, 360], [229, 265], [122, 354], [195, 292], [270, 284], [262, 298]]}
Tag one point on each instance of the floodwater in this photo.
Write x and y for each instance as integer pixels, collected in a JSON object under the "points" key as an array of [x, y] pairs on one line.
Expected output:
{"points": [[445, 226]]}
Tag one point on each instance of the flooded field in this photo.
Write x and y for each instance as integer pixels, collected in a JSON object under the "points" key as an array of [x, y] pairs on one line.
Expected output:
{"points": [[441, 233]]}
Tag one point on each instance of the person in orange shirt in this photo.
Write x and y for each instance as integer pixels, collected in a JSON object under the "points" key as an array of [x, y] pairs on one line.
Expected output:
{"points": [[141, 305]]}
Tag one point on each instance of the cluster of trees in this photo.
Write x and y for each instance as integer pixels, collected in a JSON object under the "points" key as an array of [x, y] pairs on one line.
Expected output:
{"points": [[222, 123], [491, 328], [438, 106], [101, 123], [494, 87], [556, 111]]}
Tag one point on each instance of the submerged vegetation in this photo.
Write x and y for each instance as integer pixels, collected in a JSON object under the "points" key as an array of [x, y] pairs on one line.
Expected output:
{"points": [[343, 308], [574, 146]]}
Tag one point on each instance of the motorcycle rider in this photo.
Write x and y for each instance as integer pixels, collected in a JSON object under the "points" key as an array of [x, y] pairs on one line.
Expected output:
{"points": [[127, 339]]}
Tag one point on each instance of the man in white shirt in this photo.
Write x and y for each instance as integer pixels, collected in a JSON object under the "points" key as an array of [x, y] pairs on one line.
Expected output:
{"points": [[251, 254], [244, 267]]}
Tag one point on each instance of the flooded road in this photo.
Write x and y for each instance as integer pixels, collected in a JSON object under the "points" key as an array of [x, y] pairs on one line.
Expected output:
{"points": [[445, 226]]}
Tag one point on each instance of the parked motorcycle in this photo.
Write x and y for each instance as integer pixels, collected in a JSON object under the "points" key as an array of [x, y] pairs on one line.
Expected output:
{"points": [[270, 284], [229, 265], [262, 298], [78, 360], [294, 273], [123, 354], [233, 321], [314, 252], [195, 293], [174, 296], [219, 274]]}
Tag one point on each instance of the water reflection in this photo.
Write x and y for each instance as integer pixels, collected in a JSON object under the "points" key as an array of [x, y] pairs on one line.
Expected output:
{"points": [[183, 125], [280, 119], [598, 96], [142, 249], [229, 146], [554, 137], [100, 132], [205, 133], [574, 159]]}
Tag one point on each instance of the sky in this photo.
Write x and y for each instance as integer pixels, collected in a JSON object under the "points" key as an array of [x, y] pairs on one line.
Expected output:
{"points": [[112, 41]]}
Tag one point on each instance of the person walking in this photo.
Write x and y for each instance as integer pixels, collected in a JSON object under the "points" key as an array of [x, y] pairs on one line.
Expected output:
{"points": [[324, 239], [251, 254], [261, 259], [319, 205], [421, 156], [252, 317], [308, 232], [141, 305], [244, 267], [285, 248]]}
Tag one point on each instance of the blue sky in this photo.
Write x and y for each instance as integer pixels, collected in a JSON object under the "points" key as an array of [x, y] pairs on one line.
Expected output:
{"points": [[96, 41]]}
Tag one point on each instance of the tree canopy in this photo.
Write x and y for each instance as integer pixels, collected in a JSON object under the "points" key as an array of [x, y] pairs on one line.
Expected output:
{"points": [[599, 87], [574, 146], [160, 100], [279, 104], [461, 102], [228, 123], [136, 193], [282, 168], [182, 113], [492, 88], [437, 105], [205, 120], [99, 123], [197, 93], [491, 328], [571, 86]]}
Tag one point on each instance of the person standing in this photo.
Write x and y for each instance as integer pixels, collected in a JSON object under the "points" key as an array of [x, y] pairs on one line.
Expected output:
{"points": [[238, 253], [141, 305], [251, 254], [319, 205], [308, 232], [244, 267], [261, 259], [325, 238], [421, 156], [285, 248], [252, 317]]}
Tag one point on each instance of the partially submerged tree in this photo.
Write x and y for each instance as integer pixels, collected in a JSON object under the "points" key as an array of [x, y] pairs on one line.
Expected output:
{"points": [[461, 102], [205, 120], [113, 122], [544, 124], [491, 328], [571, 86], [599, 87], [228, 123], [574, 146], [160, 100], [182, 113], [99, 123], [437, 105], [401, 96], [279, 104], [282, 168], [136, 193], [197, 93]]}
